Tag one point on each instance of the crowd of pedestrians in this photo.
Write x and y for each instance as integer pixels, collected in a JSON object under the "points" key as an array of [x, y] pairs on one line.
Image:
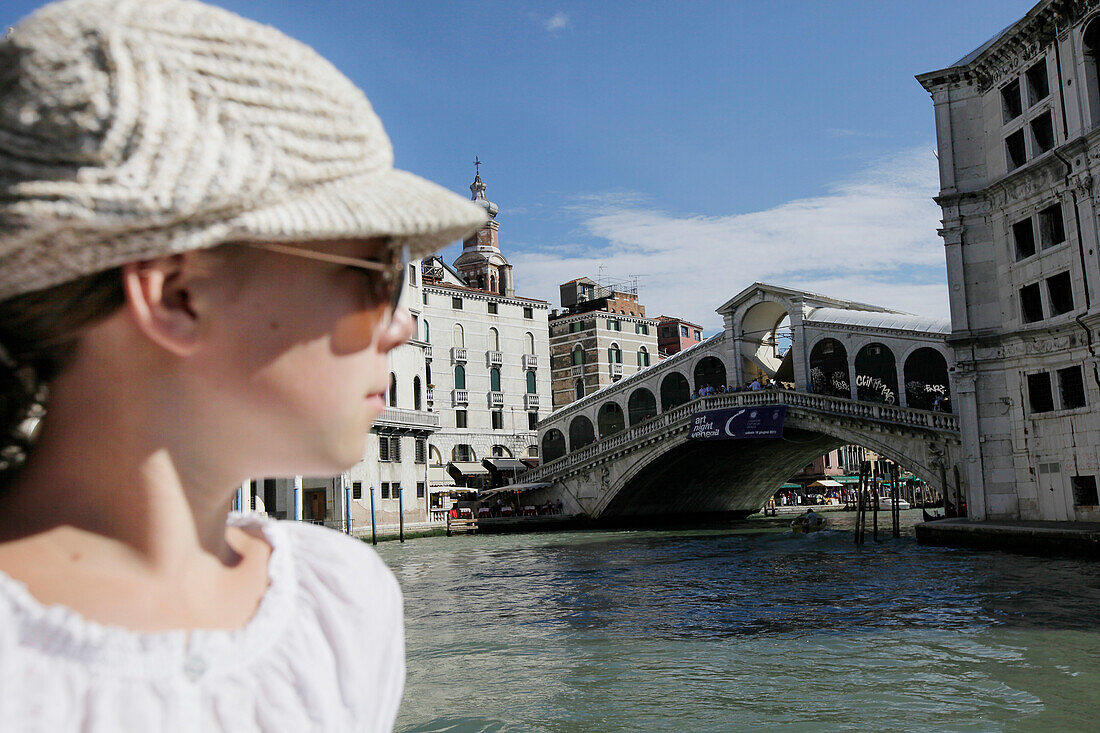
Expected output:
{"points": [[753, 386]]}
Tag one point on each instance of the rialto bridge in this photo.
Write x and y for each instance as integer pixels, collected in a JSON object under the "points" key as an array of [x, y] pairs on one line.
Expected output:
{"points": [[852, 374]]}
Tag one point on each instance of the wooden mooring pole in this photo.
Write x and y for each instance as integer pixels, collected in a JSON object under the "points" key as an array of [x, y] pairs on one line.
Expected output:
{"points": [[895, 500]]}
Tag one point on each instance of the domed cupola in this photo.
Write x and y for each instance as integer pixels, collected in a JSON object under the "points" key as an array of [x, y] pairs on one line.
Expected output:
{"points": [[477, 195], [481, 264]]}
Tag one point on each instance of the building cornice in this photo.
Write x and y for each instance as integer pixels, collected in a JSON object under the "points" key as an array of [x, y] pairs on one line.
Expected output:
{"points": [[1017, 45], [474, 294], [572, 317]]}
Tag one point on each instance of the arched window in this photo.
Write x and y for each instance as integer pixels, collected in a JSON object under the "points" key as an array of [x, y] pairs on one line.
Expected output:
{"points": [[494, 340], [578, 389], [529, 342], [610, 419], [642, 405], [643, 357], [393, 390], [578, 355], [435, 458], [876, 375], [581, 432], [493, 283], [460, 377], [926, 383], [531, 387], [428, 374], [710, 372], [494, 380], [500, 451], [463, 453], [553, 444], [614, 354], [829, 369], [416, 393], [427, 333], [457, 336], [674, 391], [531, 452]]}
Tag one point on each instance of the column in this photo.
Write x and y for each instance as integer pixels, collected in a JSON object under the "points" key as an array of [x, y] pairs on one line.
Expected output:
{"points": [[297, 498]]}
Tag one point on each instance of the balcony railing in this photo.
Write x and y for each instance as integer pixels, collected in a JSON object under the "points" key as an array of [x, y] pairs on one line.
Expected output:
{"points": [[616, 370], [428, 351], [458, 354], [431, 395], [495, 358], [398, 417], [460, 397], [496, 399], [530, 361], [577, 370], [530, 402]]}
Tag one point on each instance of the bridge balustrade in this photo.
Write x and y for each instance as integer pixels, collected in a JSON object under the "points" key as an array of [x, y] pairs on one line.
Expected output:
{"points": [[943, 421]]}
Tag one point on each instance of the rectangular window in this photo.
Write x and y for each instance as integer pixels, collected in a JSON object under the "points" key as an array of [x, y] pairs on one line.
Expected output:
{"points": [[1052, 230], [356, 489], [1084, 491], [421, 450], [1038, 85], [1071, 384], [1042, 131], [456, 303], [460, 418], [532, 421], [684, 331], [613, 325], [1011, 102], [698, 335], [1031, 303], [385, 490], [575, 327], [421, 489], [493, 308], [498, 420], [395, 449], [1015, 151], [1024, 236], [1039, 393], [424, 297], [1061, 293], [828, 458], [412, 275], [384, 448], [642, 328], [528, 312]]}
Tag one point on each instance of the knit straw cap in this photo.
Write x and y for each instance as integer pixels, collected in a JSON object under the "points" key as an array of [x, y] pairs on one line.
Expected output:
{"points": [[132, 129]]}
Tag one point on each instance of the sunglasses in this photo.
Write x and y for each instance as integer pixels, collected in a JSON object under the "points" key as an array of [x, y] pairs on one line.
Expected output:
{"points": [[385, 281]]}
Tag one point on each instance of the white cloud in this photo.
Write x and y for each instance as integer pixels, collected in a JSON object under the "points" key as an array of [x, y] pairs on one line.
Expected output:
{"points": [[557, 22], [871, 239]]}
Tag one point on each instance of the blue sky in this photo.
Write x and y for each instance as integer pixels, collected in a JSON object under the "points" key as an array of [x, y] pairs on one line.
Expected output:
{"points": [[698, 145]]}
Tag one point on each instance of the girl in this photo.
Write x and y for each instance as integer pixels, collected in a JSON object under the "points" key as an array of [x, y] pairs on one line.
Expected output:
{"points": [[202, 247]]}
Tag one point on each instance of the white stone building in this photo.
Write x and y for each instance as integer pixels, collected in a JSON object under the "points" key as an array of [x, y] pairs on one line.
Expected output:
{"points": [[1018, 125], [488, 356]]}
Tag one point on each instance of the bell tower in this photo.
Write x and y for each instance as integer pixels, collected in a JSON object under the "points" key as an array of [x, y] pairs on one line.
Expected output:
{"points": [[481, 263]]}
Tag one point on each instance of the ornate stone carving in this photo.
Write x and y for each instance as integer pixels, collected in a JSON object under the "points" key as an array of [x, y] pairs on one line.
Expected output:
{"points": [[1033, 347]]}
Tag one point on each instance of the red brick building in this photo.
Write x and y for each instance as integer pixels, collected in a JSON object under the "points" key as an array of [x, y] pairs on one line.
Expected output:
{"points": [[675, 334]]}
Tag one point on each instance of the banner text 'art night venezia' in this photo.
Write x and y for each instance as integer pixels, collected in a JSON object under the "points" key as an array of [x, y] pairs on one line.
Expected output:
{"points": [[765, 421]]}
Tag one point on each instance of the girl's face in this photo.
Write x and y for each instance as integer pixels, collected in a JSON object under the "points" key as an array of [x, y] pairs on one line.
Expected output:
{"points": [[301, 358]]}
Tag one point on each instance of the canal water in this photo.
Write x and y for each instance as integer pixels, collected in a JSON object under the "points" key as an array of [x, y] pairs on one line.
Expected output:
{"points": [[744, 626]]}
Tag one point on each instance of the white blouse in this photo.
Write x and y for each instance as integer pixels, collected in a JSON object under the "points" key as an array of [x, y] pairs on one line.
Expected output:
{"points": [[325, 651]]}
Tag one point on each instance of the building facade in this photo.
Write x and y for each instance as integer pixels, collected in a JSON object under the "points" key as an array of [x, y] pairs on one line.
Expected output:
{"points": [[675, 334], [486, 363], [1018, 128], [602, 336]]}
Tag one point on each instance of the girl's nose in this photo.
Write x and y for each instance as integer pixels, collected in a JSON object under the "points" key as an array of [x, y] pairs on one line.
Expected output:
{"points": [[398, 331]]}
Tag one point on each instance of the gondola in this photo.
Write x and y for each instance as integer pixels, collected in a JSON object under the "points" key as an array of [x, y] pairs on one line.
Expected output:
{"points": [[930, 517]]}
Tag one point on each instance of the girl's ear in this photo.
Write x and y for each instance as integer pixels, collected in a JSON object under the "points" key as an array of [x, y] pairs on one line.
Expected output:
{"points": [[160, 302]]}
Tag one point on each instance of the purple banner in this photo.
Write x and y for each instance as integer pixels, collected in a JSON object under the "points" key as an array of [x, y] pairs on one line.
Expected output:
{"points": [[764, 421]]}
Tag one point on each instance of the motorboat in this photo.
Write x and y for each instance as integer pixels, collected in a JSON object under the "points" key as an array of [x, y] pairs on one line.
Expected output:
{"points": [[808, 522]]}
